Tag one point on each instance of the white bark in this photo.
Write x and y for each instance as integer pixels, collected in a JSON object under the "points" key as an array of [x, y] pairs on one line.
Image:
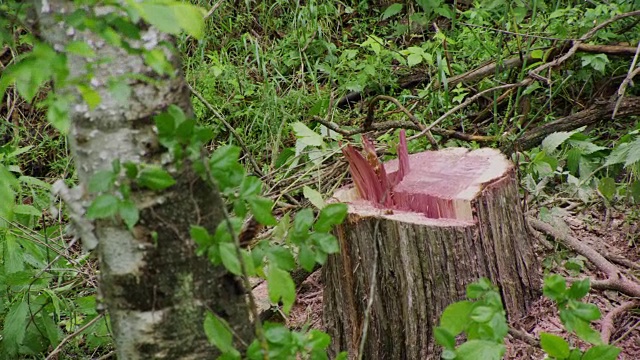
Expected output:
{"points": [[156, 290]]}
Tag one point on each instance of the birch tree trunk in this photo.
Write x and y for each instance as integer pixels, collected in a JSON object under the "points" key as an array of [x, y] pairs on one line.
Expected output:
{"points": [[155, 288]]}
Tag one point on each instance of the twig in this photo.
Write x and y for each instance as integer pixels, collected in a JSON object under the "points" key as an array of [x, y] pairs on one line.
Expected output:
{"points": [[576, 43], [243, 266], [631, 329], [390, 125], [245, 149], [633, 71], [71, 336], [606, 329], [213, 9], [371, 115], [524, 336], [616, 280], [470, 100]]}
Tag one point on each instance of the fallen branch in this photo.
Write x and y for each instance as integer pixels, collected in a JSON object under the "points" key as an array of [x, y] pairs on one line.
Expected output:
{"points": [[606, 329], [633, 71], [601, 110], [616, 279], [371, 116], [392, 125]]}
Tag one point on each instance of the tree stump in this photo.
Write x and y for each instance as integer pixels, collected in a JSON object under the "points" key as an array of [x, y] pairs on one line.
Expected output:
{"points": [[449, 218]]}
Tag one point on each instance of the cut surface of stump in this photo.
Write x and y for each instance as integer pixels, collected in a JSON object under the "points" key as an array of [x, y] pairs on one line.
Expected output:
{"points": [[438, 221]]}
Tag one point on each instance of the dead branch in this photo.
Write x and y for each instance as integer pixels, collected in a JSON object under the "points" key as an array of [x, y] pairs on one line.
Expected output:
{"points": [[392, 125], [616, 279], [371, 116], [601, 110], [633, 71], [535, 73], [467, 102], [607, 49], [232, 130], [524, 336], [606, 329]]}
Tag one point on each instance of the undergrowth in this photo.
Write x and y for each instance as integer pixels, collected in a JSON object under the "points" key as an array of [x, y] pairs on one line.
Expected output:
{"points": [[273, 68]]}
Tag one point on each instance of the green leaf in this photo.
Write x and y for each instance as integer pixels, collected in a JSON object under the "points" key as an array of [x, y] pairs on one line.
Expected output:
{"points": [[579, 289], [305, 135], [318, 339], [80, 48], [277, 334], [301, 225], [551, 142], [218, 333], [224, 157], [103, 206], [596, 61], [191, 19], [554, 345], [155, 178], [478, 288], [587, 312], [306, 258], [89, 95], [229, 258], [313, 196], [261, 209], [157, 60], [129, 213], [602, 352], [635, 191], [480, 349], [537, 54], [282, 258], [174, 17], [618, 155], [444, 337], [250, 185], [455, 317], [87, 305], [607, 187], [554, 287], [200, 235], [573, 160], [633, 156], [482, 314], [414, 59], [101, 181], [15, 326], [327, 242], [58, 114], [165, 123], [332, 214], [119, 90], [161, 16], [280, 285], [392, 10], [26, 210], [13, 254], [585, 332]]}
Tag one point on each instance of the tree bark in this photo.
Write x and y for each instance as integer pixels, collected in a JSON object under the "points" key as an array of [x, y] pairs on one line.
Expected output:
{"points": [[155, 288], [456, 217]]}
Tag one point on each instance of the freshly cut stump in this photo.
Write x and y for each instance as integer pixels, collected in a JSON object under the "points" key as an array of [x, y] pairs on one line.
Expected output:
{"points": [[454, 217]]}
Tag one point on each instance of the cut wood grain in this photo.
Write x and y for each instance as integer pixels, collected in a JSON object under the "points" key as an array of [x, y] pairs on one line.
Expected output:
{"points": [[454, 217]]}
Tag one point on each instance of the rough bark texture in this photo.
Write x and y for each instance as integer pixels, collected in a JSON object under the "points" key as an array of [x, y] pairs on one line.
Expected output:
{"points": [[157, 291], [422, 266]]}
